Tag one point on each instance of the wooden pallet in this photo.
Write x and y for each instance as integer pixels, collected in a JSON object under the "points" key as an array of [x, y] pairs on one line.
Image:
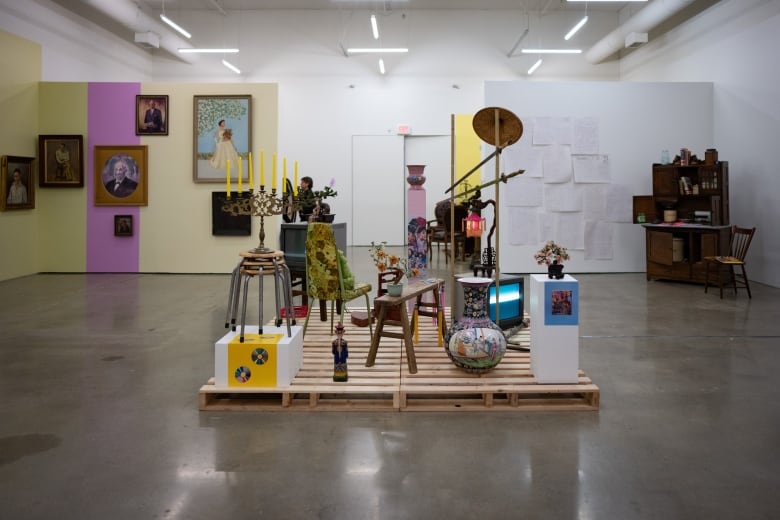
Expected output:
{"points": [[388, 386]]}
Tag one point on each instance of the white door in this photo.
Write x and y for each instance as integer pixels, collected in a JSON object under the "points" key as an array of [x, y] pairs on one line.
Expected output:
{"points": [[378, 190]]}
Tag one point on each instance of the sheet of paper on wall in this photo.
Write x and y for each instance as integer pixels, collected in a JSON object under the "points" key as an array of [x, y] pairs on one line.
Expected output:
{"points": [[585, 138], [522, 156], [619, 204], [594, 201], [523, 226], [598, 240], [557, 164], [562, 197], [570, 230], [552, 130], [591, 168], [523, 192]]}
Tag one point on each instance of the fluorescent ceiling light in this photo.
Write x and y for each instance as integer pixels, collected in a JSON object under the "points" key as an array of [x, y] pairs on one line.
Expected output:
{"points": [[175, 25], [379, 50], [606, 0], [231, 66], [576, 28], [381, 66], [551, 51], [374, 27], [214, 51], [534, 66]]}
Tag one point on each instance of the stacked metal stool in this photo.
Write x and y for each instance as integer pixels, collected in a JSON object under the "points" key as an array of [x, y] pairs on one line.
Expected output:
{"points": [[259, 264]]}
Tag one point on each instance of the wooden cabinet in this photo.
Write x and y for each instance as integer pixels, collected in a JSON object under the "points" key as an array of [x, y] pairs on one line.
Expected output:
{"points": [[675, 252], [698, 193]]}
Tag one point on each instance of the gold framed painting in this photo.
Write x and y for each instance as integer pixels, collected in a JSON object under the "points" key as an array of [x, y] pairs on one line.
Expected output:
{"points": [[121, 177], [222, 132], [61, 161], [17, 183]]}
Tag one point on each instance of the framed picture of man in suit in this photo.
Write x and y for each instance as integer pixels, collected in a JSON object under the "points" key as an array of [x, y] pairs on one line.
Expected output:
{"points": [[17, 184], [151, 114], [121, 175], [123, 225]]}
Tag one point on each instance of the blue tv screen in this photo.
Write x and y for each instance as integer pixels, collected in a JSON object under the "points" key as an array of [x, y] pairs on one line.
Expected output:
{"points": [[511, 298]]}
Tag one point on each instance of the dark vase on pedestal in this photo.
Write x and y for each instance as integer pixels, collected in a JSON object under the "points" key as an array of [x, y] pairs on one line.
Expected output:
{"points": [[555, 270]]}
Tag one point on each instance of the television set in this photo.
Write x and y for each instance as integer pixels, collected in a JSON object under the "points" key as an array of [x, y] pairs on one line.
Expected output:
{"points": [[511, 300]]}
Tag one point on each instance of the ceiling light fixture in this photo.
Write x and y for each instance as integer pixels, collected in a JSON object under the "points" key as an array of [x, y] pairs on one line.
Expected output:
{"points": [[606, 0], [534, 66], [374, 27], [576, 28], [185, 50], [381, 66], [551, 51], [231, 66], [175, 25], [379, 50]]}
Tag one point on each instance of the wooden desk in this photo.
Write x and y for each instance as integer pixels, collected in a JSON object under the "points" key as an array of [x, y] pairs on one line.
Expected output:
{"points": [[383, 303]]}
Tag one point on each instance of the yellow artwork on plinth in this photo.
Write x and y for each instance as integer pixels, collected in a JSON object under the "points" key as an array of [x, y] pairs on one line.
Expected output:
{"points": [[253, 362]]}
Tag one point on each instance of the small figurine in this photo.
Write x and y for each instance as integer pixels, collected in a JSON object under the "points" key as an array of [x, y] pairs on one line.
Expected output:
{"points": [[340, 355]]}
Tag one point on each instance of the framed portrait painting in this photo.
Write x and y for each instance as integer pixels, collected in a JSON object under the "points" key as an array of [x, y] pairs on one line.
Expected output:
{"points": [[121, 176], [123, 225], [60, 161], [17, 183], [151, 114], [222, 133]]}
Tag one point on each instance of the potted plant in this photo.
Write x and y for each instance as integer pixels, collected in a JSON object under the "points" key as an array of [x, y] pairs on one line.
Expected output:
{"points": [[553, 256], [392, 266], [321, 210]]}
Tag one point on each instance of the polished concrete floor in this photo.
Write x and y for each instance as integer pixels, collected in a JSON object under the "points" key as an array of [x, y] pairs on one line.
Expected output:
{"points": [[99, 379]]}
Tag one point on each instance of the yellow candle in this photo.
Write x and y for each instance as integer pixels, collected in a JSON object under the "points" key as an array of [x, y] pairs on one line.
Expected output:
{"points": [[227, 178], [273, 178], [284, 174], [240, 174], [251, 171], [262, 167], [295, 181]]}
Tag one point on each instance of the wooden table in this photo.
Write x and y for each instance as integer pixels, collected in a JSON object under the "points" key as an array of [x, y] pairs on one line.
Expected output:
{"points": [[383, 303]]}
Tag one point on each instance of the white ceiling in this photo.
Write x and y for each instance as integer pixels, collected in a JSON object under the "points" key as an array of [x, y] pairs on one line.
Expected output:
{"points": [[211, 21]]}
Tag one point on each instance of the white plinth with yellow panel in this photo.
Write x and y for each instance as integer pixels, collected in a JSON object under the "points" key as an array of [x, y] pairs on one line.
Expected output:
{"points": [[268, 360]]}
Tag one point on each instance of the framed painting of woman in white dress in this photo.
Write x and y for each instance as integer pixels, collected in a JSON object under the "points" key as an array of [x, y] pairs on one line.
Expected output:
{"points": [[222, 134]]}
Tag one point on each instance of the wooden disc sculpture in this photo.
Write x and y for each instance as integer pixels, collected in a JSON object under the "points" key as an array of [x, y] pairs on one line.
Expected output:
{"points": [[510, 128]]}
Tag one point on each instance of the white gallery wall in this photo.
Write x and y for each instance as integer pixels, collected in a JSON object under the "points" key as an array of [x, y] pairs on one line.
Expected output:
{"points": [[325, 98]]}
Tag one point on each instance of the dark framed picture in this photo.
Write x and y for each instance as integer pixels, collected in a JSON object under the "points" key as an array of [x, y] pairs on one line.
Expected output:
{"points": [[17, 183], [60, 161], [222, 135], [151, 114], [121, 176], [123, 225], [226, 219]]}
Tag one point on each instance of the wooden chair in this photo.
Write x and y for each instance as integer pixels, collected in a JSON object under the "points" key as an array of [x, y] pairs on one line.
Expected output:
{"points": [[328, 276], [439, 231], [723, 272]]}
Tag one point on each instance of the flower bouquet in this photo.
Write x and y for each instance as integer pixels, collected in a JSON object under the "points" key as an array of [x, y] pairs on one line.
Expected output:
{"points": [[552, 255], [392, 264]]}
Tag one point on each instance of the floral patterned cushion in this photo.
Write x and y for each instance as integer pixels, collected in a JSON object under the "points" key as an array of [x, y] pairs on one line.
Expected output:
{"points": [[324, 279]]}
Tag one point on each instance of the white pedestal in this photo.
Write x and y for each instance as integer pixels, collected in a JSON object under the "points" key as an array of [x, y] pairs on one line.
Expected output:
{"points": [[554, 329], [268, 360]]}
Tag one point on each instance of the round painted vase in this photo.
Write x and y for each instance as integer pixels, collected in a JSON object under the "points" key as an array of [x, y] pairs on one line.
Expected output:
{"points": [[474, 343], [416, 178]]}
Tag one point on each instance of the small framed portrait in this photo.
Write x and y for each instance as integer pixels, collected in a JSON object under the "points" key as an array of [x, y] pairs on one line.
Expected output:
{"points": [[222, 135], [60, 161], [151, 114], [123, 225], [121, 175], [17, 183]]}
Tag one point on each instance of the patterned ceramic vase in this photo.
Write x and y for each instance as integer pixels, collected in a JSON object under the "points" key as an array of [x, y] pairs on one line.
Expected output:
{"points": [[474, 343], [415, 178]]}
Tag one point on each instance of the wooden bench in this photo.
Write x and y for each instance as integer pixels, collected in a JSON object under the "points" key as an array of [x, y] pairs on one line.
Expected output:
{"points": [[383, 303]]}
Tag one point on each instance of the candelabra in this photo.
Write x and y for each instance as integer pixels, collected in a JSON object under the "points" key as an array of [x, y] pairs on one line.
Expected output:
{"points": [[262, 204]]}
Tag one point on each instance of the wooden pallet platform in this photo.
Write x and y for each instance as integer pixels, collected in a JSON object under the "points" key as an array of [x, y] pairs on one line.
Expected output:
{"points": [[388, 386]]}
